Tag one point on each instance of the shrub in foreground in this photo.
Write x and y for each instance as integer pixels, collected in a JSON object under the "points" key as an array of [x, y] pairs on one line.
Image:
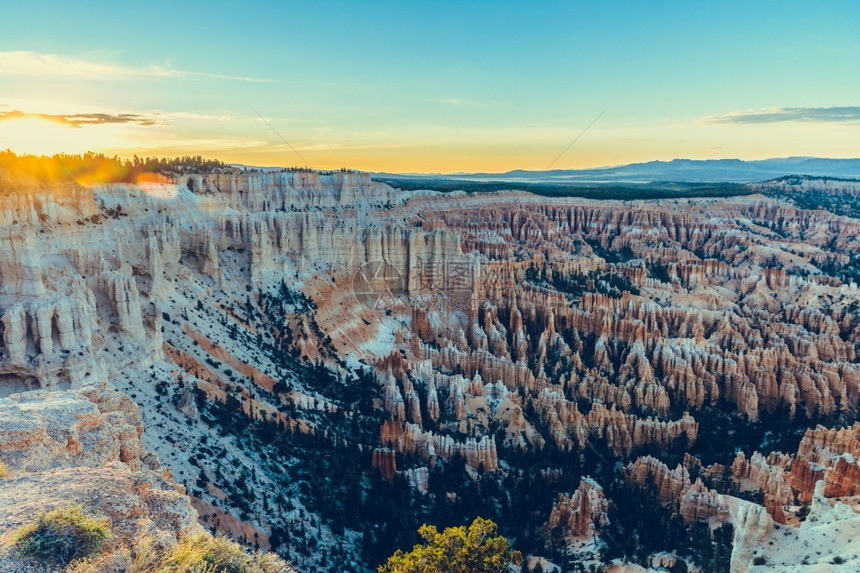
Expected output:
{"points": [[476, 549], [62, 535]]}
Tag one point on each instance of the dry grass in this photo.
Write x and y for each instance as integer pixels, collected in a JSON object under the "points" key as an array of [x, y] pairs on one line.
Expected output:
{"points": [[195, 554], [62, 535], [3, 471], [221, 555]]}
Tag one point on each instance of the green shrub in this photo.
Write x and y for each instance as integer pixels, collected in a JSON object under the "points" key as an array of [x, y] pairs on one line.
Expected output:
{"points": [[62, 535], [837, 560], [760, 560], [477, 548]]}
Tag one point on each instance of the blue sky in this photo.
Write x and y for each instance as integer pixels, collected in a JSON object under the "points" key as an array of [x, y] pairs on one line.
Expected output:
{"points": [[433, 86]]}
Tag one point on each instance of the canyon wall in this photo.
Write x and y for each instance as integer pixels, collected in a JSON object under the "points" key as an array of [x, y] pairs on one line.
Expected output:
{"points": [[446, 329]]}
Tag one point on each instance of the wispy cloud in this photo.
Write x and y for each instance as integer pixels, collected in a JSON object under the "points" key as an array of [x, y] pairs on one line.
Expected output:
{"points": [[456, 101], [194, 116], [84, 119], [87, 119], [470, 103], [784, 114], [34, 64]]}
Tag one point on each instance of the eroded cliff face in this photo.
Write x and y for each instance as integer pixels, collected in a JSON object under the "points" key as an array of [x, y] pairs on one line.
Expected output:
{"points": [[430, 331], [88, 278]]}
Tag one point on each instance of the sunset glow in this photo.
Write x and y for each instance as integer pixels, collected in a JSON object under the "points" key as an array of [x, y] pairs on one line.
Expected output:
{"points": [[47, 137], [412, 89]]}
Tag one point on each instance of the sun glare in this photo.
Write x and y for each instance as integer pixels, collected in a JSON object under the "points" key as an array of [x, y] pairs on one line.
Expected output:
{"points": [[45, 137]]}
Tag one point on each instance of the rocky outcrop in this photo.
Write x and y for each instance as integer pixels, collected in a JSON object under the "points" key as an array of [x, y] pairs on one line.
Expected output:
{"points": [[25, 202], [137, 502], [693, 501], [409, 438], [122, 291], [20, 263], [698, 503], [84, 447], [385, 460], [581, 514], [765, 474], [775, 510], [824, 454], [50, 343], [751, 525], [85, 428], [15, 335], [290, 189], [831, 455], [668, 485]]}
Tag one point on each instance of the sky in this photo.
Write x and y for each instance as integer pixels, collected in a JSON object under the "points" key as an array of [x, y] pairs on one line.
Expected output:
{"points": [[436, 86]]}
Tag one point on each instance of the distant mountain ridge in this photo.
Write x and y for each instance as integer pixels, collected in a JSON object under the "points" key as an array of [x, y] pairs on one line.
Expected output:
{"points": [[687, 170]]}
